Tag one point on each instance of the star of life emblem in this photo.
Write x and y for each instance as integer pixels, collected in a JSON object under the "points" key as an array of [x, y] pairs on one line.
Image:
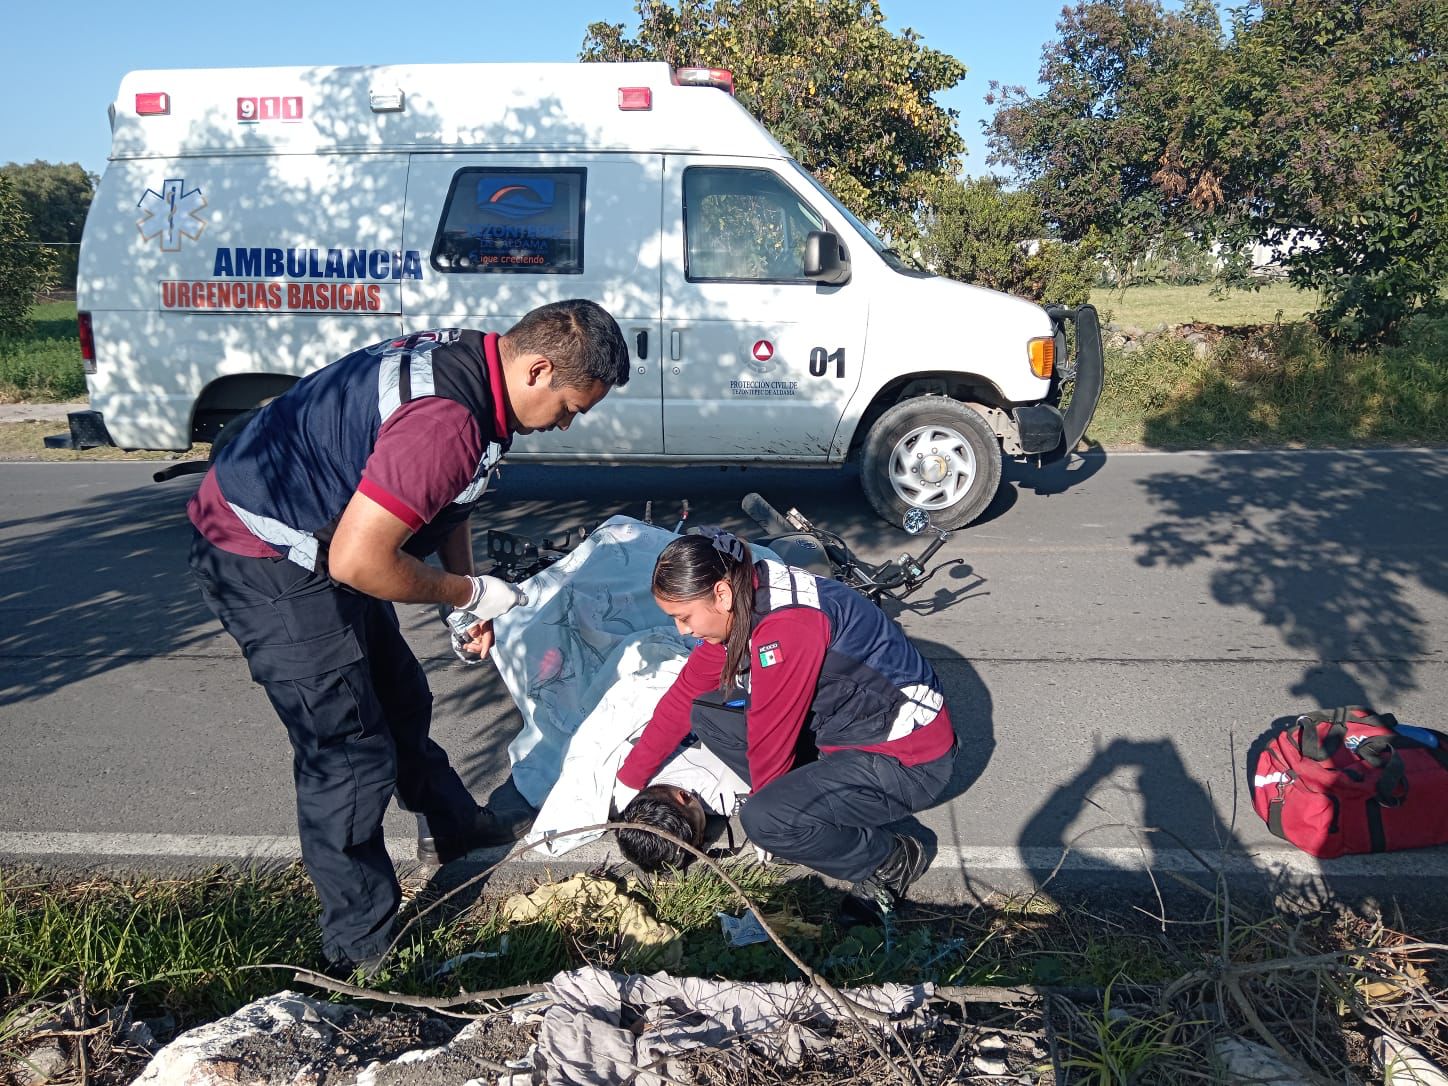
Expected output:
{"points": [[171, 214]]}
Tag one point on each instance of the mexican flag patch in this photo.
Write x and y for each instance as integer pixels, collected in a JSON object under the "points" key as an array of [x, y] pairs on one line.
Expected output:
{"points": [[770, 654]]}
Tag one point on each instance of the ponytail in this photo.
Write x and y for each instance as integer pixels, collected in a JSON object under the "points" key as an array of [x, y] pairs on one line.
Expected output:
{"points": [[690, 566]]}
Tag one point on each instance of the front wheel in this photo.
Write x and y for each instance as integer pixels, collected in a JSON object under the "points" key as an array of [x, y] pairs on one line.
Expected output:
{"points": [[931, 453]]}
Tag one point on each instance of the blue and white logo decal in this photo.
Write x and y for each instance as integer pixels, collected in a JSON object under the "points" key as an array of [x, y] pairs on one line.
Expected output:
{"points": [[519, 197], [171, 214]]}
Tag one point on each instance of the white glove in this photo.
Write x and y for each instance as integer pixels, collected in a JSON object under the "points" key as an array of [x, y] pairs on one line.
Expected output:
{"points": [[491, 598]]}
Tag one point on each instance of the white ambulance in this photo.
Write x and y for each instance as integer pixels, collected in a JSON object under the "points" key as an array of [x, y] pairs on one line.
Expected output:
{"points": [[255, 224]]}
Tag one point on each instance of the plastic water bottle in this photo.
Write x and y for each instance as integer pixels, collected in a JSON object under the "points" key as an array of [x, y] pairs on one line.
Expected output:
{"points": [[1422, 735]]}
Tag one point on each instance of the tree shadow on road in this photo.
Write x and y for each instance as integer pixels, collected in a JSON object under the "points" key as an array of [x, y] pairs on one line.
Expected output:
{"points": [[88, 587], [1325, 547]]}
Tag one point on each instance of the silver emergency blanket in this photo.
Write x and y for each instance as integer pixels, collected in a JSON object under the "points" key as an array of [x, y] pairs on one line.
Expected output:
{"points": [[585, 1036]]}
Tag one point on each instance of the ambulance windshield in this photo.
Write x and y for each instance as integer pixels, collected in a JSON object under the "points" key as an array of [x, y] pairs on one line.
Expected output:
{"points": [[894, 257]]}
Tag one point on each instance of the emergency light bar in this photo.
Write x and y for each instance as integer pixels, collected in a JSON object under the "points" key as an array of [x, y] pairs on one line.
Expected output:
{"points": [[722, 78]]}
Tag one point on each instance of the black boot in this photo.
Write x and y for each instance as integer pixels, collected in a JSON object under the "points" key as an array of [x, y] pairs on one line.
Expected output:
{"points": [[874, 898], [488, 830]]}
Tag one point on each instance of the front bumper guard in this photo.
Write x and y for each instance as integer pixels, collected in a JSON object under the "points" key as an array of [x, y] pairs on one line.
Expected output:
{"points": [[1085, 371]]}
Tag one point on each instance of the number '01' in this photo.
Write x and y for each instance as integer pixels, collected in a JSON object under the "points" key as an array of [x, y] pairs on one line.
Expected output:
{"points": [[820, 359]]}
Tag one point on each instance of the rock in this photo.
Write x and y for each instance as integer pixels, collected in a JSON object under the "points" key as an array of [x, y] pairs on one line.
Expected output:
{"points": [[990, 1067], [139, 1034], [44, 1062], [1201, 349], [1131, 347], [1247, 1061], [273, 1041], [1404, 1065]]}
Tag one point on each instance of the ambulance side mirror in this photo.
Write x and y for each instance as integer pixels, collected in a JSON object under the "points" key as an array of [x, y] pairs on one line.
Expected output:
{"points": [[825, 259]]}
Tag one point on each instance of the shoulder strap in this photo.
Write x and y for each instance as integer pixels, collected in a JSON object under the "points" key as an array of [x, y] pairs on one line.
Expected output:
{"points": [[1320, 749], [1378, 752]]}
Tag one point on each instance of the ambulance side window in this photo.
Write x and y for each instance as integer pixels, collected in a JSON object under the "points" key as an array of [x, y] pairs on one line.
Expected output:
{"points": [[517, 220], [744, 225]]}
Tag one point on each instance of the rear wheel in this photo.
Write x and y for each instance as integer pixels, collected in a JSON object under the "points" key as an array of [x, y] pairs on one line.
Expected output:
{"points": [[931, 453]]}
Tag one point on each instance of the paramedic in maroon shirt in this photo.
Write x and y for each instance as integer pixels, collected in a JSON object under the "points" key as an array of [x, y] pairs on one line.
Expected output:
{"points": [[814, 697], [316, 519]]}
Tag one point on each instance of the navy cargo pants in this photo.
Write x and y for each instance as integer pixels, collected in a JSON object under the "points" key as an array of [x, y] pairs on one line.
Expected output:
{"points": [[828, 813], [357, 710]]}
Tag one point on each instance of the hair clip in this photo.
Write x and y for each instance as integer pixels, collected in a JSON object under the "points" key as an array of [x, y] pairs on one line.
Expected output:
{"points": [[726, 543]]}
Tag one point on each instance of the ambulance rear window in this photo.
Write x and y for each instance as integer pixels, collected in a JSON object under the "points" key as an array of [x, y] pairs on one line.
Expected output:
{"points": [[518, 220]]}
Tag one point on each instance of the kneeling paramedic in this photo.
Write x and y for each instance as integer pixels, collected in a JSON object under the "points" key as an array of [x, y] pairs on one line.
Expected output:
{"points": [[815, 698], [316, 518]]}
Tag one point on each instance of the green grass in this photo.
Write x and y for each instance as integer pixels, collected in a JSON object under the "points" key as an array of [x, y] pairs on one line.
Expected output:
{"points": [[192, 948], [44, 366], [175, 946], [1146, 307], [1278, 386]]}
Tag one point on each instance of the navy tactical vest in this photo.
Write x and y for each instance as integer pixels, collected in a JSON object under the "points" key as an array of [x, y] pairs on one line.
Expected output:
{"points": [[874, 686], [291, 472]]}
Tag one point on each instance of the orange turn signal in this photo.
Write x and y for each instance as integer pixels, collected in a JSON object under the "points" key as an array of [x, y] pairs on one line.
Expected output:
{"points": [[1043, 356]]}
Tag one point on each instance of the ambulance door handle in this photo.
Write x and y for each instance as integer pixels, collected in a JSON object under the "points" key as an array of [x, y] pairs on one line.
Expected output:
{"points": [[641, 343], [674, 341]]}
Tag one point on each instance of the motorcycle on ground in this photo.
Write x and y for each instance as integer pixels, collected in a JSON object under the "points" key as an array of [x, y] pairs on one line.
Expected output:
{"points": [[796, 539]]}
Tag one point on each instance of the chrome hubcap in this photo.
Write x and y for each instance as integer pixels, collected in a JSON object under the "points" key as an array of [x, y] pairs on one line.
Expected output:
{"points": [[932, 467]]}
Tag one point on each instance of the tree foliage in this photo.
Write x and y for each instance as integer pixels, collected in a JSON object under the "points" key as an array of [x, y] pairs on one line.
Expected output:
{"points": [[1314, 126], [1343, 104], [26, 269], [1090, 145], [979, 232], [851, 100], [56, 196]]}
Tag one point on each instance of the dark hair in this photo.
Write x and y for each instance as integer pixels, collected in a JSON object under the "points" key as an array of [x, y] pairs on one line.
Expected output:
{"points": [[655, 806], [581, 340], [688, 568]]}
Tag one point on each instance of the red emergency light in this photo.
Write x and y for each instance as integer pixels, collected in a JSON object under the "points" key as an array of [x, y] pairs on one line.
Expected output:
{"points": [[635, 98], [722, 78], [149, 105]]}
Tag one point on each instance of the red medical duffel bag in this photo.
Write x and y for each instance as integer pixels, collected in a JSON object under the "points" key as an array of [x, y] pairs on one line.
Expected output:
{"points": [[1350, 780]]}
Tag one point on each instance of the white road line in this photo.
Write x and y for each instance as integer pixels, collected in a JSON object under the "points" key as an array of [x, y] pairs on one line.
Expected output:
{"points": [[968, 860]]}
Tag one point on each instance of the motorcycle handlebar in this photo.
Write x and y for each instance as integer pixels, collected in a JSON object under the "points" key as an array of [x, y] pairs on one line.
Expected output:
{"points": [[765, 515], [935, 545]]}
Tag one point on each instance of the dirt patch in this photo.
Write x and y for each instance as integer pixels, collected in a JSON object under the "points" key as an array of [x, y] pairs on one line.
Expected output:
{"points": [[474, 1055], [39, 412], [360, 1039], [26, 441]]}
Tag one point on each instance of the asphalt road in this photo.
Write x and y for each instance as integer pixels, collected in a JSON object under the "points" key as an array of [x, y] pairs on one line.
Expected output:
{"points": [[1112, 639]]}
